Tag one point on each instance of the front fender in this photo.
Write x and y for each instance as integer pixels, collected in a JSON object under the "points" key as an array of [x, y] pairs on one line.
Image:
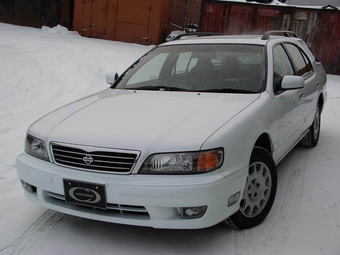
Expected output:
{"points": [[239, 135]]}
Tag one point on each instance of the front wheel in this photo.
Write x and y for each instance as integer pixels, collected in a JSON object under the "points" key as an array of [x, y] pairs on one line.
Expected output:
{"points": [[259, 193]]}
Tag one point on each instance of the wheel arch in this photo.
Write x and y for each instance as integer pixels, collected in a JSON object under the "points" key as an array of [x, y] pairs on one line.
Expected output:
{"points": [[321, 101], [265, 141]]}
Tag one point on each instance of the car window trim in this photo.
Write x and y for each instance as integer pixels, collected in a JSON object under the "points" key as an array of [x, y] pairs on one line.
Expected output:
{"points": [[303, 53], [306, 49], [290, 57], [311, 72], [276, 93], [306, 75]]}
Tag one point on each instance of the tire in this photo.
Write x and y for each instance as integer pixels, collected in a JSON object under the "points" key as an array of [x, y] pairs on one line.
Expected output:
{"points": [[311, 139], [262, 179]]}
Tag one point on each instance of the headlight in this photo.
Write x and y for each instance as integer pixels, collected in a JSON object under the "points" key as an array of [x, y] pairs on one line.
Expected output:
{"points": [[36, 148], [183, 162]]}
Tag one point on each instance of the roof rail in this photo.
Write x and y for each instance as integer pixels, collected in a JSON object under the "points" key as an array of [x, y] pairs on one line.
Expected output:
{"points": [[330, 6], [267, 35], [198, 34]]}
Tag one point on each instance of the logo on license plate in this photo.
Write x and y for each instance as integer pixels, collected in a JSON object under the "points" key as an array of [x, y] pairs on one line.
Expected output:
{"points": [[84, 195]]}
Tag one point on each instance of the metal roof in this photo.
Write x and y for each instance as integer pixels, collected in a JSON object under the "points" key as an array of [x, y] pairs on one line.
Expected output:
{"points": [[218, 39]]}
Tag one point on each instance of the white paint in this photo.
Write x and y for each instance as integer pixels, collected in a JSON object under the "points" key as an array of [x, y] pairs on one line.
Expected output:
{"points": [[152, 122]]}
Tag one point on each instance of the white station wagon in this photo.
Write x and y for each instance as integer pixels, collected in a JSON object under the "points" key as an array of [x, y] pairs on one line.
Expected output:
{"points": [[188, 137]]}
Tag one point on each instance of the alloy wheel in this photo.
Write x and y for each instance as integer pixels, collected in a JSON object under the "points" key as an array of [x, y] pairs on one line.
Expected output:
{"points": [[257, 190]]}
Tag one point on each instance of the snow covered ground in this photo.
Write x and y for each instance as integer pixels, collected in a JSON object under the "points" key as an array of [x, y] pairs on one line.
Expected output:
{"points": [[42, 69]]}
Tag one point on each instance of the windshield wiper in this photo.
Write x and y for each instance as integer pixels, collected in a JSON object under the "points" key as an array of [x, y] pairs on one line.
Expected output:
{"points": [[228, 91], [165, 88], [161, 88]]}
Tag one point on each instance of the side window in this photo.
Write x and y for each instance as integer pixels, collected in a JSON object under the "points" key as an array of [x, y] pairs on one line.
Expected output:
{"points": [[282, 66], [309, 64], [300, 64], [308, 50]]}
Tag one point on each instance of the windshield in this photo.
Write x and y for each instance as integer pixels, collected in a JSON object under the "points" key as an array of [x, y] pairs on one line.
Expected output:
{"points": [[200, 68]]}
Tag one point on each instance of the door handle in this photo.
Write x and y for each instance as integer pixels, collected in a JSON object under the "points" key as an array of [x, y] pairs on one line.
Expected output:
{"points": [[317, 84], [301, 95]]}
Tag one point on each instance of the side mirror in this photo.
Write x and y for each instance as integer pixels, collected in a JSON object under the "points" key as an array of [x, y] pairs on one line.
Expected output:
{"points": [[111, 78], [290, 82]]}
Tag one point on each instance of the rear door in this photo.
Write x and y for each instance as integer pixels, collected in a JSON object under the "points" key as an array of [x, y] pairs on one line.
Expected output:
{"points": [[303, 67]]}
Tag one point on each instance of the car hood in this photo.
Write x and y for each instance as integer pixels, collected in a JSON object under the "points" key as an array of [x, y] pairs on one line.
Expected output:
{"points": [[152, 121]]}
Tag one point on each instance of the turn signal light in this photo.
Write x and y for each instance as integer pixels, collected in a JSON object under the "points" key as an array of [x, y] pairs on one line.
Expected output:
{"points": [[207, 161]]}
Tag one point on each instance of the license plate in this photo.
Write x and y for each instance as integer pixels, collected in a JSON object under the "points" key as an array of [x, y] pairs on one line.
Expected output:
{"points": [[86, 194]]}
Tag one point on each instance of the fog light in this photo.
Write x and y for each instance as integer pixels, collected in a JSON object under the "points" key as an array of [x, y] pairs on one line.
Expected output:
{"points": [[233, 199], [193, 212], [28, 187]]}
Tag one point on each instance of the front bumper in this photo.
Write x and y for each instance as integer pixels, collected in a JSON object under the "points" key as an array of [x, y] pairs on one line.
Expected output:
{"points": [[160, 196]]}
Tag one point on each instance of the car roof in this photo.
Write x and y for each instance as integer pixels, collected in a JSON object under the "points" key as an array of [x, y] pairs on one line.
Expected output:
{"points": [[228, 39], [218, 39]]}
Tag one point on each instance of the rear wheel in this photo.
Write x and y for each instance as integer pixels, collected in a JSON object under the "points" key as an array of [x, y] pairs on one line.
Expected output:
{"points": [[311, 139], [259, 192]]}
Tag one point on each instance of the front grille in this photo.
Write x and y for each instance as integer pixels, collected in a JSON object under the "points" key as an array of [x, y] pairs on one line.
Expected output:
{"points": [[98, 161], [127, 211]]}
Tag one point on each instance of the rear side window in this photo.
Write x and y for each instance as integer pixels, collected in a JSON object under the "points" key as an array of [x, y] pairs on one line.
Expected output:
{"points": [[307, 49], [300, 64], [309, 64], [282, 66]]}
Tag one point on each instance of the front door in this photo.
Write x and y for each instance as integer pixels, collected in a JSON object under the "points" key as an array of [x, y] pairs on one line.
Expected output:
{"points": [[289, 104]]}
